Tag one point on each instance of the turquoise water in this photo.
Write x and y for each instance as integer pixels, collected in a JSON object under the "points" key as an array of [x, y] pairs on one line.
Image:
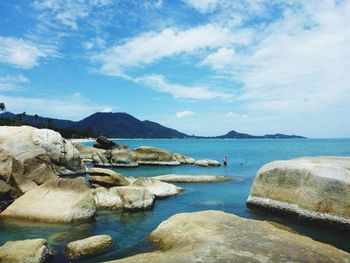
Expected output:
{"points": [[130, 229]]}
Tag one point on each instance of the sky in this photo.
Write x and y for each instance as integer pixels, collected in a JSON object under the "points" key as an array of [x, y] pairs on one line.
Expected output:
{"points": [[203, 67]]}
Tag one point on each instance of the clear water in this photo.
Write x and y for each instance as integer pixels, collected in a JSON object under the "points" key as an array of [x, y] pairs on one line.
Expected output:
{"points": [[130, 229]]}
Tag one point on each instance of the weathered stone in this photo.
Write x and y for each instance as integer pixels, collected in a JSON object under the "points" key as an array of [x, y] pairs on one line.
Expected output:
{"points": [[58, 200], [123, 158], [123, 197], [156, 187], [313, 187], [207, 162], [88, 246], [184, 159], [154, 156], [104, 143], [5, 191], [215, 236], [106, 177], [30, 250], [187, 178]]}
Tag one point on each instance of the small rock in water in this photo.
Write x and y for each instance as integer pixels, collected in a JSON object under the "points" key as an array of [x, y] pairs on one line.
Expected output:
{"points": [[88, 247]]}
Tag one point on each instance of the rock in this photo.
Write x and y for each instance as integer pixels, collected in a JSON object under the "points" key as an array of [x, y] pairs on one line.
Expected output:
{"points": [[156, 187], [186, 178], [123, 158], [5, 191], [123, 197], [88, 247], [104, 143], [317, 188], [216, 236], [106, 177], [86, 153], [154, 156], [58, 200], [184, 159], [30, 250], [31, 156], [207, 162]]}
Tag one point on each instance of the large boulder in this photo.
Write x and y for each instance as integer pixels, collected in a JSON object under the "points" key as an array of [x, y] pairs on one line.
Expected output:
{"points": [[157, 188], [123, 197], [106, 177], [104, 143], [207, 162], [123, 158], [58, 200], [216, 236], [30, 250], [31, 156], [154, 156], [88, 246], [86, 153], [194, 178], [317, 188]]}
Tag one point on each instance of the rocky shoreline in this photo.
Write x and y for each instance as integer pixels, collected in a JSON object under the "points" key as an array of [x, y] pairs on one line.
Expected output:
{"points": [[34, 187]]}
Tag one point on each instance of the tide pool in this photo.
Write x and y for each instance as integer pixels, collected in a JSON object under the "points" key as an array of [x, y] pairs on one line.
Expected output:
{"points": [[245, 157]]}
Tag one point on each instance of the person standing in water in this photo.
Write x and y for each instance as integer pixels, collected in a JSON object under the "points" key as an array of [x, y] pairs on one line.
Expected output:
{"points": [[225, 161]]}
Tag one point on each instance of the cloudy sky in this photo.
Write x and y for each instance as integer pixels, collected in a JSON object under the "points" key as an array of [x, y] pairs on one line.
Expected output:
{"points": [[204, 67]]}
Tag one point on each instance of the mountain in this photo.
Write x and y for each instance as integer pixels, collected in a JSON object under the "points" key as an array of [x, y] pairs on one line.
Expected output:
{"points": [[121, 125], [118, 125], [238, 135]]}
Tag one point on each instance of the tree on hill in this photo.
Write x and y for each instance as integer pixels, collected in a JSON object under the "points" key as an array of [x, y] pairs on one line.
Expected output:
{"points": [[2, 106]]}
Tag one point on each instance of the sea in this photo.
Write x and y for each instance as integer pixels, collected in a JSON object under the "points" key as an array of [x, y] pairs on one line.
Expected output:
{"points": [[245, 157]]}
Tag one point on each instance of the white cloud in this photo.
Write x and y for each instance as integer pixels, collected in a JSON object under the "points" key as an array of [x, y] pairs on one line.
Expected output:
{"points": [[107, 110], [69, 107], [22, 53], [233, 115], [153, 46], [203, 6], [159, 83], [222, 58], [9, 82], [184, 114]]}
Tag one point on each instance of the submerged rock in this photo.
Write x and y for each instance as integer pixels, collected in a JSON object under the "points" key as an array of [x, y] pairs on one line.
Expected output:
{"points": [[30, 250], [317, 188], [216, 236], [106, 177], [207, 162], [154, 156], [186, 178], [156, 187], [123, 197], [88, 247], [59, 200]]}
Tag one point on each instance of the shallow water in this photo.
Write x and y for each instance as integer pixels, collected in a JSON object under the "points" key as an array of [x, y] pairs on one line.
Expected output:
{"points": [[130, 229]]}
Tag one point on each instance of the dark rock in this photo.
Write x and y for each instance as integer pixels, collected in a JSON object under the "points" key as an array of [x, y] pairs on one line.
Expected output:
{"points": [[104, 143]]}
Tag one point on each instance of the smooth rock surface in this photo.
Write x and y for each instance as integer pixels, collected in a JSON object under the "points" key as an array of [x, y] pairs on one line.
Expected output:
{"points": [[21, 251], [191, 178], [106, 177], [58, 200], [207, 162], [123, 197], [154, 156], [317, 188], [123, 158], [215, 236], [184, 159], [156, 187], [88, 246]]}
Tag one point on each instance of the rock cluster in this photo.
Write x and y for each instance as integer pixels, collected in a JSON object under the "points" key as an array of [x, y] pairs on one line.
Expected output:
{"points": [[31, 156], [317, 188]]}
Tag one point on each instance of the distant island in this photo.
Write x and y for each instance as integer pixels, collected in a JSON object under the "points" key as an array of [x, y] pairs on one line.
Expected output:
{"points": [[116, 125]]}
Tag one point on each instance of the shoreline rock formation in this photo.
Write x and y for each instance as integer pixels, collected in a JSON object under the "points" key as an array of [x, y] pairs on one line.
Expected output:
{"points": [[316, 188], [56, 201], [191, 178], [216, 236]]}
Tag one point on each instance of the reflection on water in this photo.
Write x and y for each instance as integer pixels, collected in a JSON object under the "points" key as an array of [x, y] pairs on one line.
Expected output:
{"points": [[129, 229]]}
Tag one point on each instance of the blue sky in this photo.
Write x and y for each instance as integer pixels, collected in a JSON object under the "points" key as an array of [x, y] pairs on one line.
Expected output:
{"points": [[204, 67]]}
